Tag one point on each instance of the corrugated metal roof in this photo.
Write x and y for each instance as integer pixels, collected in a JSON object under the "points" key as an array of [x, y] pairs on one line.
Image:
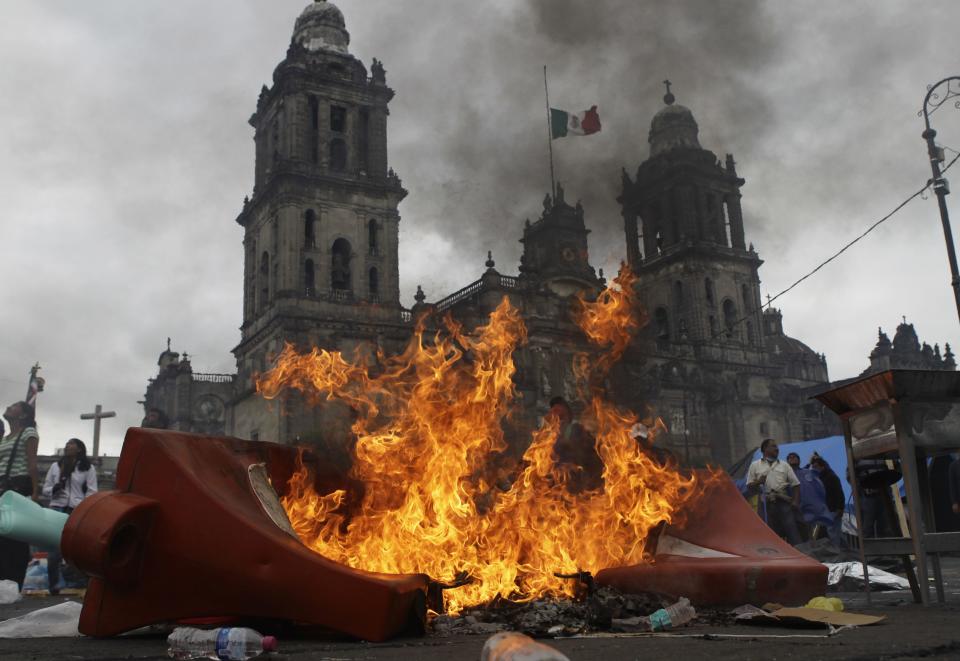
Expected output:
{"points": [[892, 385]]}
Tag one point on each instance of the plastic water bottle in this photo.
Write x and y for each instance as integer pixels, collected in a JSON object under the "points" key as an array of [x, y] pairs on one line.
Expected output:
{"points": [[233, 643], [672, 616]]}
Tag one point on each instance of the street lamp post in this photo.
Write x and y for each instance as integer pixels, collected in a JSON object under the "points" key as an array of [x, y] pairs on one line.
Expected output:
{"points": [[940, 187]]}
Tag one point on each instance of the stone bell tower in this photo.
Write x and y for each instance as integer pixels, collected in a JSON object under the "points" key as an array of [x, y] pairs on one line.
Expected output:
{"points": [[321, 227], [685, 239]]}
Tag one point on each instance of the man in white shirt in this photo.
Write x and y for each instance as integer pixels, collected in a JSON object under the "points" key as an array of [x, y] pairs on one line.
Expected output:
{"points": [[779, 490]]}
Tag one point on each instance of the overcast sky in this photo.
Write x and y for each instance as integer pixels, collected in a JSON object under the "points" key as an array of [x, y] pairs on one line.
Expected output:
{"points": [[125, 155]]}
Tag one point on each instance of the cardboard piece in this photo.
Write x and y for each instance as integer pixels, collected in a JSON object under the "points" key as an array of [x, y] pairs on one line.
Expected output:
{"points": [[803, 617], [826, 617]]}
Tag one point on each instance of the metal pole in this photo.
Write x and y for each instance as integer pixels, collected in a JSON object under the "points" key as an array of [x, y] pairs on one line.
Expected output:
{"points": [[940, 186], [546, 96]]}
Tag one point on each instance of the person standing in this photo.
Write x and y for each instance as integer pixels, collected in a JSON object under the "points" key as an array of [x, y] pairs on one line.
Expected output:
{"points": [[18, 472], [574, 451], [69, 480], [954, 479], [874, 479], [779, 490], [834, 497]]}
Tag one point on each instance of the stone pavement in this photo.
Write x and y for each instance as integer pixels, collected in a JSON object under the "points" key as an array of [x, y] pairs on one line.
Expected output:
{"points": [[910, 631]]}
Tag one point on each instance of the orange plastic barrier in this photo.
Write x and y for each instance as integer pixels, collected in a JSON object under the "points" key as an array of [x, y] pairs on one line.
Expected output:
{"points": [[185, 535], [723, 554]]}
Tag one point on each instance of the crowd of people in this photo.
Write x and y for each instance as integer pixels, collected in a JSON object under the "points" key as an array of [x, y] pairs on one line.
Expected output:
{"points": [[784, 494], [68, 481]]}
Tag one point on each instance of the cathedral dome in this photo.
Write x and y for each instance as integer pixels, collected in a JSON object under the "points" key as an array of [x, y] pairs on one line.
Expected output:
{"points": [[673, 128], [321, 27]]}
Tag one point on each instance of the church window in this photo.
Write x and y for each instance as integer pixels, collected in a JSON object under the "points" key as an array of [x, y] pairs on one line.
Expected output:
{"points": [[764, 429], [340, 265], [338, 155], [338, 119], [729, 317], [364, 140], [682, 329], [309, 278], [337, 70], [747, 303], [714, 328], [264, 278], [373, 283], [310, 228], [372, 237], [708, 290], [751, 338], [661, 324], [314, 130], [726, 222], [275, 138]]}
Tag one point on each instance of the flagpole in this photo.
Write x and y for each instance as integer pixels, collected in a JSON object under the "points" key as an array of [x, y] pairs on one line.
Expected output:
{"points": [[546, 95]]}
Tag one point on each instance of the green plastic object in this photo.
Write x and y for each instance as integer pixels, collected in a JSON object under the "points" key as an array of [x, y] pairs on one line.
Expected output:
{"points": [[26, 521]]}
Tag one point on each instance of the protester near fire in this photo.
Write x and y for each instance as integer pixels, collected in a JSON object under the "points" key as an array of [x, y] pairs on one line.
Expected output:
{"points": [[69, 480], [574, 451], [18, 463], [834, 497], [779, 490]]}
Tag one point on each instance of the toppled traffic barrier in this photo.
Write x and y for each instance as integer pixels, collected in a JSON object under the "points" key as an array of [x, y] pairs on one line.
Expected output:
{"points": [[722, 560], [194, 531]]}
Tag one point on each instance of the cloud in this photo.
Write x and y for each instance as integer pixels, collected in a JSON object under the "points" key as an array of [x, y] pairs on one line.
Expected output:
{"points": [[126, 155]]}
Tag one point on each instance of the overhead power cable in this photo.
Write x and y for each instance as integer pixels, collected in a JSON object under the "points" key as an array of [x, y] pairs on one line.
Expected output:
{"points": [[842, 250]]}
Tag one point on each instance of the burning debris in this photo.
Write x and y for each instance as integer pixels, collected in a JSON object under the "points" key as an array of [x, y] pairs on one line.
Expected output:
{"points": [[598, 611], [433, 493]]}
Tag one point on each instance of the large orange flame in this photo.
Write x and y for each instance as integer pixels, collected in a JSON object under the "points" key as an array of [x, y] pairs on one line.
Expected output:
{"points": [[429, 425]]}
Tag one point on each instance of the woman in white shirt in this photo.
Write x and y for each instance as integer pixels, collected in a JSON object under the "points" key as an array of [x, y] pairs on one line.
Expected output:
{"points": [[71, 479]]}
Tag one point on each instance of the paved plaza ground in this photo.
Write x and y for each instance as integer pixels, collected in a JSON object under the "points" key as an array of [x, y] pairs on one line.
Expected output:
{"points": [[910, 631]]}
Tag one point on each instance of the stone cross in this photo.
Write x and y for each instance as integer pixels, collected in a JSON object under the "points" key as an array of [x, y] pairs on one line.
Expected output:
{"points": [[97, 415]]}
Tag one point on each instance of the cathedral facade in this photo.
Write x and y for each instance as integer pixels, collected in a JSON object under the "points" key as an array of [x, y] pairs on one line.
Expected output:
{"points": [[321, 268]]}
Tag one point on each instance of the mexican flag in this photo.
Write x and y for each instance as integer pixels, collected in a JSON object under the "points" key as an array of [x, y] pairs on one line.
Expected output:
{"points": [[563, 123]]}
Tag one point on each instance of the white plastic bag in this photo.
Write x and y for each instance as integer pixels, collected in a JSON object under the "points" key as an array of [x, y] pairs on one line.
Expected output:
{"points": [[60, 621], [9, 592]]}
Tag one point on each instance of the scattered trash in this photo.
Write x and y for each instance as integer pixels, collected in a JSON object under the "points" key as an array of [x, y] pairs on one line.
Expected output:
{"points": [[228, 643], [848, 576], [672, 616], [826, 604], [774, 614], [36, 579], [663, 619], [58, 621], [9, 592], [514, 646]]}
